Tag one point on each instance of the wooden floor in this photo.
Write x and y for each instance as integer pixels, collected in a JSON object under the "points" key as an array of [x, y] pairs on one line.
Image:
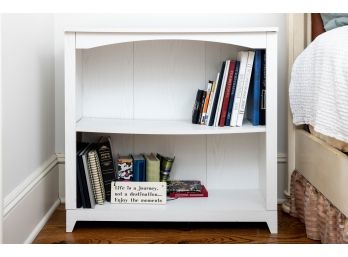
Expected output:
{"points": [[290, 231]]}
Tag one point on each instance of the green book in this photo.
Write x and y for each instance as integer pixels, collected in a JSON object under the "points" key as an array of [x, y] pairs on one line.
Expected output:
{"points": [[152, 168]]}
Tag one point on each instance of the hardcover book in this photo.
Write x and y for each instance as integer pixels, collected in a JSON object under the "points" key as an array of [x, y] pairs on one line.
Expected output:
{"points": [[139, 171], [107, 164], [152, 168], [222, 92], [206, 103], [166, 164], [184, 186], [197, 106], [233, 92], [211, 100], [202, 193], [263, 91], [216, 97], [86, 200], [124, 168], [227, 93], [253, 104]]}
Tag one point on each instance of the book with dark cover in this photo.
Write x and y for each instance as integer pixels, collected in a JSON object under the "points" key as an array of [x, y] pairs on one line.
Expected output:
{"points": [[253, 110], [233, 93], [184, 186], [263, 90], [79, 188], [201, 106], [124, 168], [202, 193], [139, 171], [166, 164], [83, 156], [107, 164], [217, 93], [197, 106], [81, 176], [227, 93]]}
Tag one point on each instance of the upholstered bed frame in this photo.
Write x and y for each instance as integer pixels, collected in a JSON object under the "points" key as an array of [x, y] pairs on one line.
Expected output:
{"points": [[320, 164]]}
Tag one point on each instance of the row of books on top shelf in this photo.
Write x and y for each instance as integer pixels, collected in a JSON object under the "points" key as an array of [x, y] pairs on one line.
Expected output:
{"points": [[239, 87], [96, 169]]}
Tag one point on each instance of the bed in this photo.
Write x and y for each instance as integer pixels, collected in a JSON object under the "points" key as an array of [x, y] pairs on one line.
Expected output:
{"points": [[318, 97]]}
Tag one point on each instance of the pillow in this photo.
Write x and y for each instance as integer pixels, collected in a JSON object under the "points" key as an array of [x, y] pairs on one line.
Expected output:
{"points": [[334, 20]]}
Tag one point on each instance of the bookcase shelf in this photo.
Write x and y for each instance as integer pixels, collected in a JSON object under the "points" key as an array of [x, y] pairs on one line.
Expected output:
{"points": [[138, 87], [159, 127]]}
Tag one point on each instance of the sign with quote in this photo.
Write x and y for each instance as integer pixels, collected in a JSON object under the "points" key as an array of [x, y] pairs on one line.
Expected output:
{"points": [[138, 192]]}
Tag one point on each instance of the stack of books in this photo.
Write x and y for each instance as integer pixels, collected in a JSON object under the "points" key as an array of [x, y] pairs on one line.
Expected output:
{"points": [[186, 188], [240, 85]]}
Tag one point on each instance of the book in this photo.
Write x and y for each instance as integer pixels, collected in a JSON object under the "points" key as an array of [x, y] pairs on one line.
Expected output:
{"points": [[222, 92], [139, 171], [184, 186], [243, 59], [254, 97], [202, 193], [263, 91], [246, 84], [79, 188], [212, 97], [197, 106], [201, 106], [227, 93], [216, 97], [166, 164], [233, 92], [107, 164], [81, 176], [124, 168], [96, 176], [83, 155], [152, 168], [206, 102]]}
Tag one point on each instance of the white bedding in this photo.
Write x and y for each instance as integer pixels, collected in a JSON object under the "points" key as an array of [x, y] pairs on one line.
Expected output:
{"points": [[318, 92]]}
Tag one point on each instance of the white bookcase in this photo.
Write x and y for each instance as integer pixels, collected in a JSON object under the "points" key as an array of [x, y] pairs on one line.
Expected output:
{"points": [[139, 86]]}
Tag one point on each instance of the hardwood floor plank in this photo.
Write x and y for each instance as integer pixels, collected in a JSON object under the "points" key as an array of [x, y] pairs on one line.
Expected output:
{"points": [[291, 230]]}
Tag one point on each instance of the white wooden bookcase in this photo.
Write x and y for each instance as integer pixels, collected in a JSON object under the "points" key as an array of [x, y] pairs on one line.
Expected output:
{"points": [[138, 86]]}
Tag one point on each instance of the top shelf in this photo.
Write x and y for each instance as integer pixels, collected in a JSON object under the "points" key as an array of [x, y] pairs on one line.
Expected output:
{"points": [[159, 127]]}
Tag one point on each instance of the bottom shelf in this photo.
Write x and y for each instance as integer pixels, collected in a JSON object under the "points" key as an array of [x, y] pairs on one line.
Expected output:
{"points": [[221, 205]]}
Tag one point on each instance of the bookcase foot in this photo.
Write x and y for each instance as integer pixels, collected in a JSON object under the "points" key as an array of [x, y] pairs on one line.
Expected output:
{"points": [[273, 225], [70, 224]]}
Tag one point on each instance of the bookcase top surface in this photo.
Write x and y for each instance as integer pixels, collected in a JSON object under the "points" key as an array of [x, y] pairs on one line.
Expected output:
{"points": [[172, 30]]}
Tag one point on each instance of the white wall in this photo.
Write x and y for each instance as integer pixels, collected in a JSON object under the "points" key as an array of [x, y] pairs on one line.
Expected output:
{"points": [[28, 121], [63, 21], [1, 182]]}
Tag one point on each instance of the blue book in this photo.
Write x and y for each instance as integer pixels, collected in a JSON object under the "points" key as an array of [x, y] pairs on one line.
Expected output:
{"points": [[139, 171], [233, 92], [253, 104]]}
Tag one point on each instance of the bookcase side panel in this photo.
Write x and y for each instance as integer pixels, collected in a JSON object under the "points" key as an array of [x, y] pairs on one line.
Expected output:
{"points": [[189, 152], [108, 81], [79, 85], [70, 133], [167, 75], [271, 120], [232, 161]]}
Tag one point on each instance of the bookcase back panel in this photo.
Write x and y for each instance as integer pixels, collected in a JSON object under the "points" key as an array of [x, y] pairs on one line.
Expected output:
{"points": [[149, 79], [108, 81], [220, 162]]}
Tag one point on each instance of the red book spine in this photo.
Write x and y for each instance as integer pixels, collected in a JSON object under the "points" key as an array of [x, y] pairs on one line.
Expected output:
{"points": [[227, 93], [203, 193]]}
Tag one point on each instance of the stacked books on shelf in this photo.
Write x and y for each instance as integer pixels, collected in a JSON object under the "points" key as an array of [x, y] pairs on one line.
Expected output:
{"points": [[96, 169], [186, 188], [239, 88]]}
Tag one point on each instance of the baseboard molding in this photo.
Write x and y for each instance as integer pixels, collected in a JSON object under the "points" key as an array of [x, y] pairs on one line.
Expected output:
{"points": [[37, 198], [42, 223]]}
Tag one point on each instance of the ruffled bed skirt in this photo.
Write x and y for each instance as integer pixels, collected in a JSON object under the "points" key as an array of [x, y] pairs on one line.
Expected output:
{"points": [[323, 221]]}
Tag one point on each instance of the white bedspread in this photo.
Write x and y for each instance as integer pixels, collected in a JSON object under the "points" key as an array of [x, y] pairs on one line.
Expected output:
{"points": [[318, 91]]}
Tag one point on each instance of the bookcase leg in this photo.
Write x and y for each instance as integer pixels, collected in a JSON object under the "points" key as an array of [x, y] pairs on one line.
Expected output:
{"points": [[273, 225], [70, 224]]}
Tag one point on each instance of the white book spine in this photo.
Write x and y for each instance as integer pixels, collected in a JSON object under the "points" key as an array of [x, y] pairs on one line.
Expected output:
{"points": [[212, 97], [248, 70], [243, 58], [222, 92]]}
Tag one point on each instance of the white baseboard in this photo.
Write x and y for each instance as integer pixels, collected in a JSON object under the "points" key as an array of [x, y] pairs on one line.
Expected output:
{"points": [[28, 207]]}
